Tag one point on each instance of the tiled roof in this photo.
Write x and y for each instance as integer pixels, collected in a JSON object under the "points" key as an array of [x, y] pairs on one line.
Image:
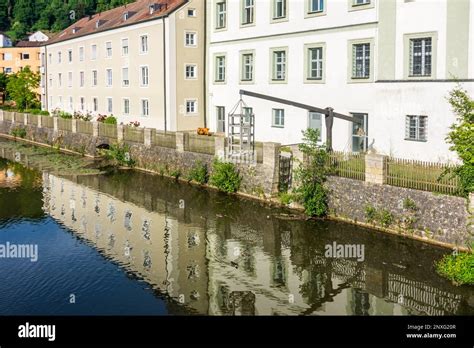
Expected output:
{"points": [[28, 43], [138, 11]]}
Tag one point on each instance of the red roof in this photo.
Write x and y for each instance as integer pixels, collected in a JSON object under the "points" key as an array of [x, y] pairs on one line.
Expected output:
{"points": [[29, 44], [138, 11]]}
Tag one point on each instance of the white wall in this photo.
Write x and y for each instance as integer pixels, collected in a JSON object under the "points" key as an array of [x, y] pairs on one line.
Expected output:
{"points": [[38, 36]]}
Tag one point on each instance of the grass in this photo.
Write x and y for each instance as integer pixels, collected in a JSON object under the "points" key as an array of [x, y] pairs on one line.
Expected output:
{"points": [[459, 268]]}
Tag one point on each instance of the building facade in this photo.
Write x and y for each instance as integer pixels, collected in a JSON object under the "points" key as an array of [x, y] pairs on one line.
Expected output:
{"points": [[140, 62], [14, 59], [390, 64]]}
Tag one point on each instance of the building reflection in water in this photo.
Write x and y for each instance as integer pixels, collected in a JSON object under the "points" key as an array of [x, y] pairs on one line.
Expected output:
{"points": [[220, 257]]}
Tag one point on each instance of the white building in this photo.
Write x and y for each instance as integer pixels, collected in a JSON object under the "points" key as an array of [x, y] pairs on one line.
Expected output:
{"points": [[391, 63], [5, 41], [39, 36]]}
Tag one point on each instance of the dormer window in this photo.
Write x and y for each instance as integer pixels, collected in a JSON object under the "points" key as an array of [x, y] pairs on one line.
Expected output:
{"points": [[75, 30], [97, 24], [151, 8], [125, 16]]}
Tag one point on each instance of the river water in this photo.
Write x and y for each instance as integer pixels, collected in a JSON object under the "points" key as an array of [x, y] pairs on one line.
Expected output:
{"points": [[132, 243]]}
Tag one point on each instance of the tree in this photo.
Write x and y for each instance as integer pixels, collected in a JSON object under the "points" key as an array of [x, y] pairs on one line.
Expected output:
{"points": [[22, 88], [462, 136], [3, 86]]}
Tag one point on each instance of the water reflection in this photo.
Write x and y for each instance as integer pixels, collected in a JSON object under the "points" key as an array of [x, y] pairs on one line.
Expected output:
{"points": [[219, 255]]}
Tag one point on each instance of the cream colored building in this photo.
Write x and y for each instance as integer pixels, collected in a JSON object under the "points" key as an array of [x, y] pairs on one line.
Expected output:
{"points": [[140, 62]]}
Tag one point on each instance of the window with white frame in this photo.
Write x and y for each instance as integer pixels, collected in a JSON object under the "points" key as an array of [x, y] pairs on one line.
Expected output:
{"points": [[144, 44], [315, 61], [315, 6], [192, 12], [110, 105], [247, 67], [221, 14], [108, 79], [83, 103], [126, 106], [50, 80], [60, 101], [278, 119], [71, 103], [7, 56], [59, 57], [191, 106], [95, 104], [220, 69], [60, 80], [191, 39], [94, 52], [279, 65], [360, 132], [315, 122], [361, 61], [145, 108], [94, 78], [420, 56], [248, 11], [50, 58], [69, 79], [69, 56], [108, 49], [191, 71], [279, 9], [144, 76], [416, 127], [81, 79], [124, 47], [360, 2], [81, 54], [125, 80]]}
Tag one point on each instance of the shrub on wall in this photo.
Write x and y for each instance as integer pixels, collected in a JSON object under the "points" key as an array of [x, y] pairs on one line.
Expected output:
{"points": [[458, 267], [225, 176], [18, 132], [311, 175], [120, 155], [199, 173]]}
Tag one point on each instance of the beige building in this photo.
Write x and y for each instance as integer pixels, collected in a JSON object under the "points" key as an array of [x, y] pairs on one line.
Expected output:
{"points": [[140, 62]]}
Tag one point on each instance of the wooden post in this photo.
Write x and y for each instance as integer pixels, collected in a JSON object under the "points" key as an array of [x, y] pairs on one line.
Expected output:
{"points": [[95, 129], [120, 133], [25, 119], [147, 133], [329, 124], [56, 123], [40, 121]]}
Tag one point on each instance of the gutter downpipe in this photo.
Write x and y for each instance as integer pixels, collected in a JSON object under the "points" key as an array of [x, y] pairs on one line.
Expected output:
{"points": [[165, 99]]}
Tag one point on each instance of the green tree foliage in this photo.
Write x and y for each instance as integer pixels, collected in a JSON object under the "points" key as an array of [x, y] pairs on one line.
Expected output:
{"points": [[225, 176], [461, 136], [3, 85], [22, 88], [19, 17], [311, 175]]}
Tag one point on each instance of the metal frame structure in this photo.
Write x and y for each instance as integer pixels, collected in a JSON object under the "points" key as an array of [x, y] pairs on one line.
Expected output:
{"points": [[241, 134], [328, 112]]}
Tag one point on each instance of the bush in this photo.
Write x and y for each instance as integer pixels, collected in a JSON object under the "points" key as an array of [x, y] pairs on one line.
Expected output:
{"points": [[409, 204], [385, 218], [225, 176], [286, 198], [199, 173], [120, 154], [110, 120], [459, 268], [370, 213], [18, 132], [311, 175]]}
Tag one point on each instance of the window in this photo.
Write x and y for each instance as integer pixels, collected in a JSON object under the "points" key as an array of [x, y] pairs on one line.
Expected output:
{"points": [[192, 12], [69, 56], [316, 6], [248, 11], [82, 102], [279, 65], [145, 107], [94, 52], [420, 57], [191, 71], [125, 80], [221, 14], [110, 105], [247, 67], [191, 39], [25, 56], [7, 56], [415, 128], [220, 69], [81, 54], [94, 78], [81, 79], [315, 61], [247, 113], [361, 61], [71, 103], [360, 133], [50, 58], [60, 58], [124, 47], [144, 76], [279, 9], [95, 104], [278, 118], [108, 81], [191, 106], [60, 80], [69, 79], [220, 110], [108, 49], [315, 122], [60, 101], [144, 44], [8, 70], [50, 80], [126, 106], [360, 2]]}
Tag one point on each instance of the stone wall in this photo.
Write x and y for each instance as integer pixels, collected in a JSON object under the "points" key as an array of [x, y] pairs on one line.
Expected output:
{"points": [[433, 217]]}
